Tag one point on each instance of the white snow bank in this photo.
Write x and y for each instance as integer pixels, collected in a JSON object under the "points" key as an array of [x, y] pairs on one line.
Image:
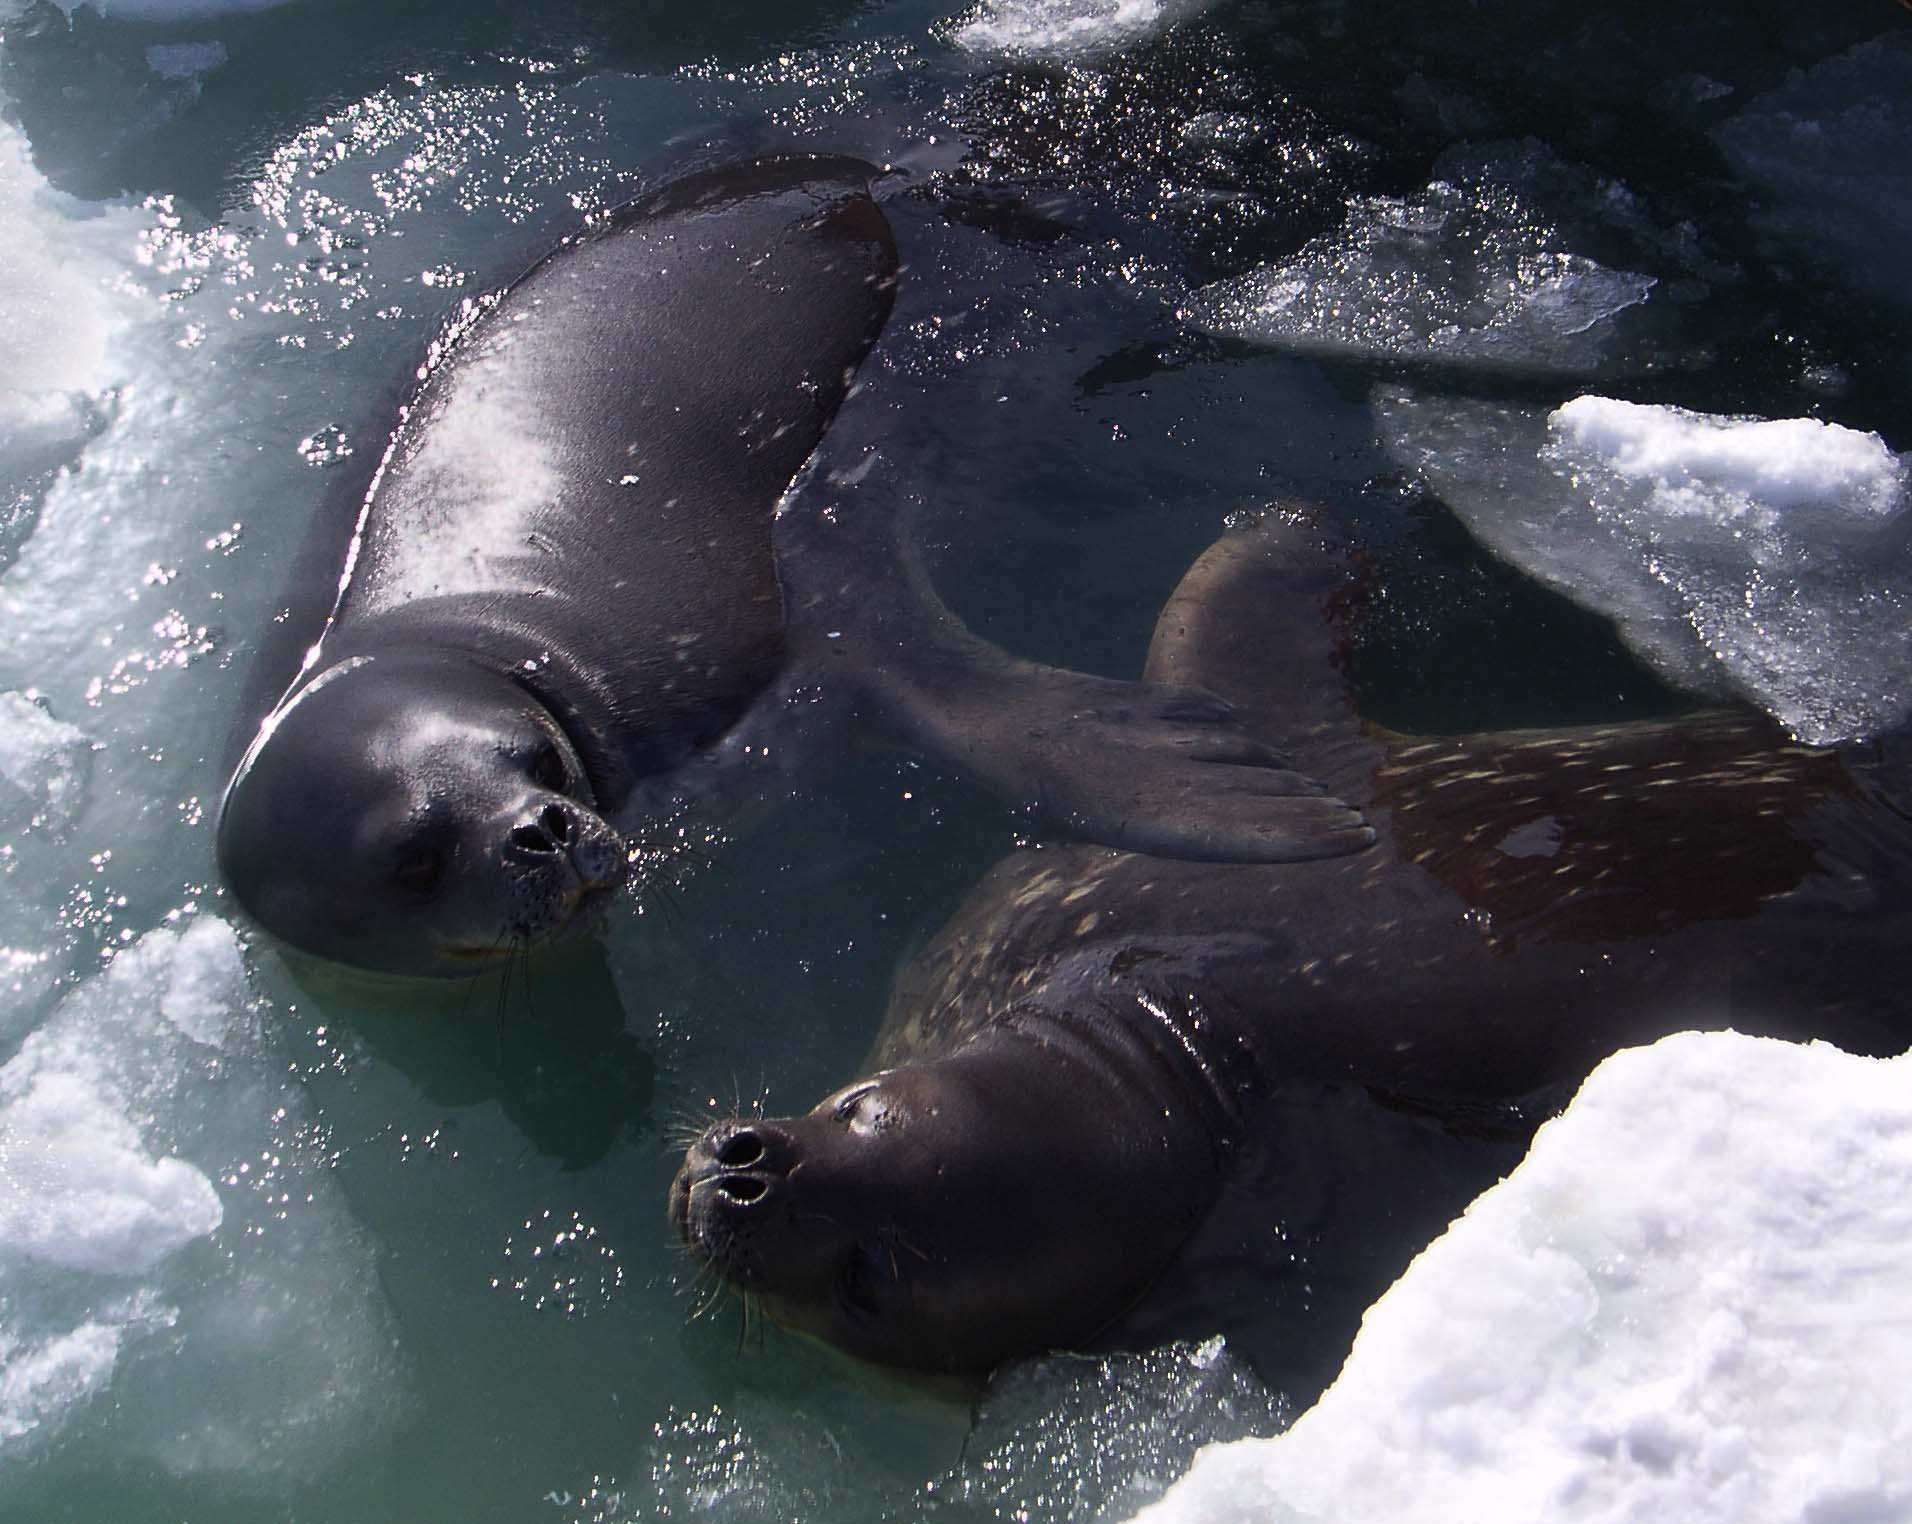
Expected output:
{"points": [[1480, 267], [139, 1122], [1068, 31], [1689, 1302], [1825, 155], [1737, 556]]}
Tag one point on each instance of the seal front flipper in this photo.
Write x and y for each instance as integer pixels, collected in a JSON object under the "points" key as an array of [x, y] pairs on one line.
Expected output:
{"points": [[1160, 767]]}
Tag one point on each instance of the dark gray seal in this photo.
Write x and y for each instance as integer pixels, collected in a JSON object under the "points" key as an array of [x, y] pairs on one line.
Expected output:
{"points": [[576, 573], [1099, 1043]]}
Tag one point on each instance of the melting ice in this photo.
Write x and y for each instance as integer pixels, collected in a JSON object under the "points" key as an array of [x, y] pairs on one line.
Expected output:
{"points": [[1483, 266], [121, 1118], [1759, 557]]}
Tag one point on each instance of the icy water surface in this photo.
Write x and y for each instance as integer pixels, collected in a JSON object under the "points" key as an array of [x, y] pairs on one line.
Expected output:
{"points": [[282, 1250]]}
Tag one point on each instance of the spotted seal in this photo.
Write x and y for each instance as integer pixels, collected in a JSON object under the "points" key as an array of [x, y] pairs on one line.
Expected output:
{"points": [[1099, 1045]]}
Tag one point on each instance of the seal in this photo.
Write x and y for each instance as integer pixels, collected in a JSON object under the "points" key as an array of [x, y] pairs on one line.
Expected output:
{"points": [[1100, 1046], [580, 566]]}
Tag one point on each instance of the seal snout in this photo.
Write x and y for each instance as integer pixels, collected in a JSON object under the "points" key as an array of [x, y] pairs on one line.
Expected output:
{"points": [[729, 1176], [545, 835]]}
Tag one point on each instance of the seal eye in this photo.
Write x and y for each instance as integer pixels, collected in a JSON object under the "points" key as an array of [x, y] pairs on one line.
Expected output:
{"points": [[420, 870], [547, 768], [845, 1108]]}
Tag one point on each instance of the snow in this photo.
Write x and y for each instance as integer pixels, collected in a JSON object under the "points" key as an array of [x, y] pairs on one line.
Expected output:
{"points": [[1485, 266], [1688, 1302], [1730, 468], [1751, 557], [79, 1191], [1070, 31]]}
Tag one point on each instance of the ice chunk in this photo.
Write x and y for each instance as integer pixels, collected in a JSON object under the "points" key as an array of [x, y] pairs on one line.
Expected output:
{"points": [[77, 1189], [43, 764], [1481, 267], [1069, 30], [1730, 468], [1758, 557], [40, 1382], [1688, 1302], [142, 1124], [1826, 154], [1488, 266], [55, 315]]}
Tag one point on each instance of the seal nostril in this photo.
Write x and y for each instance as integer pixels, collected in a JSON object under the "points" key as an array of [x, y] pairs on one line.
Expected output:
{"points": [[742, 1189], [556, 822], [530, 838], [740, 1150]]}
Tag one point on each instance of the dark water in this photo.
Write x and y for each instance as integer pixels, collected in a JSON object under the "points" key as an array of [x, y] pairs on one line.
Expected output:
{"points": [[1066, 444]]}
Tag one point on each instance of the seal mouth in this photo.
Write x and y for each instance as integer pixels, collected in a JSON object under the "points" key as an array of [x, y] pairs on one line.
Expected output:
{"points": [[725, 1175], [581, 910]]}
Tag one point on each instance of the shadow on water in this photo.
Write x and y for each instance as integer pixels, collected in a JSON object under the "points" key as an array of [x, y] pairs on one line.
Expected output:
{"points": [[547, 1041]]}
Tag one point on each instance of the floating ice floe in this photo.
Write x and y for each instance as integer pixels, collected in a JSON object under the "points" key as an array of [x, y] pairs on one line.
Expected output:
{"points": [[1763, 558], [1826, 156], [1689, 1302], [140, 1125], [56, 311], [43, 764], [1488, 266], [1069, 31]]}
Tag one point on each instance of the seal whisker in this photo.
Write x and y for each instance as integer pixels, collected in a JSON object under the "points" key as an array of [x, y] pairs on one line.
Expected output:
{"points": [[524, 973], [687, 1126]]}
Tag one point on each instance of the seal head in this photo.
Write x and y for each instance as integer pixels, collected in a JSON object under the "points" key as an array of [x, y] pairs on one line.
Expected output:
{"points": [[416, 814], [936, 1217]]}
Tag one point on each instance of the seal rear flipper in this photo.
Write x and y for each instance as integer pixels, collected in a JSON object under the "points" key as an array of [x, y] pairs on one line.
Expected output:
{"points": [[1261, 619], [1164, 768], [1151, 767]]}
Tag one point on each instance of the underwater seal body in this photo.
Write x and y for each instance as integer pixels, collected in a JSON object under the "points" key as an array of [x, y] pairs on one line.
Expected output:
{"points": [[1100, 1044], [575, 572]]}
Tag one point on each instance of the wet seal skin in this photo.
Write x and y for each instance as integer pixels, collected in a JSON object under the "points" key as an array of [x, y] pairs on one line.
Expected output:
{"points": [[1101, 1047], [579, 581]]}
